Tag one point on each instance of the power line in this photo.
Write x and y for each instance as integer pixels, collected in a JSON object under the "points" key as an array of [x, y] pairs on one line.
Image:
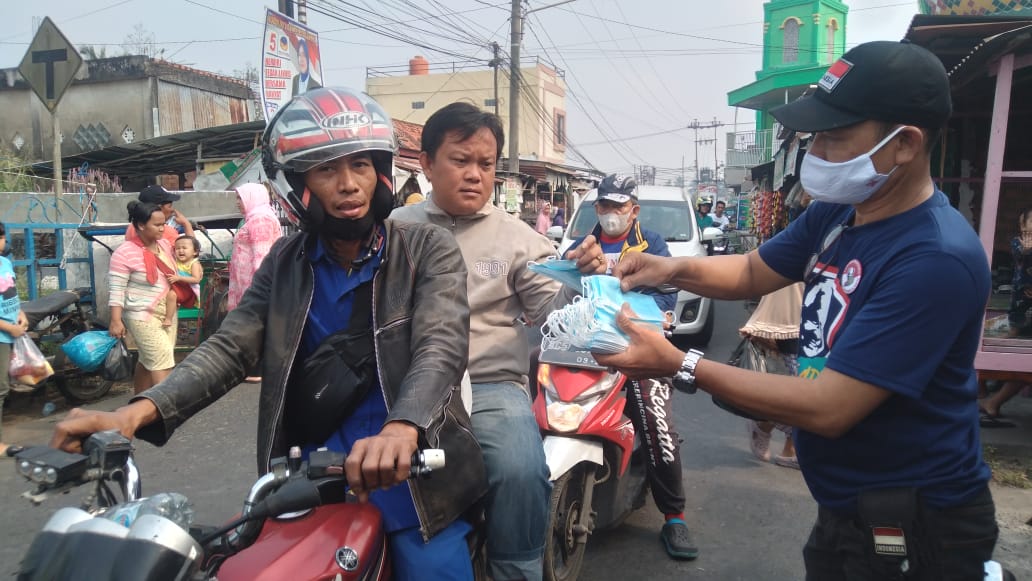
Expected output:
{"points": [[343, 17]]}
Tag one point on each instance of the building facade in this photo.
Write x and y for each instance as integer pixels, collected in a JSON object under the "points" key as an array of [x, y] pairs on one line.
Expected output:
{"points": [[801, 38], [116, 101], [414, 93]]}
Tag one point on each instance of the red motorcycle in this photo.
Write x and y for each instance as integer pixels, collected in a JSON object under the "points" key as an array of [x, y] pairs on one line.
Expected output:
{"points": [[298, 522], [596, 463]]}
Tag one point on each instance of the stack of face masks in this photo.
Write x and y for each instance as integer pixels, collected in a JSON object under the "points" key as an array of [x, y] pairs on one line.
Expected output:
{"points": [[589, 322], [564, 271]]}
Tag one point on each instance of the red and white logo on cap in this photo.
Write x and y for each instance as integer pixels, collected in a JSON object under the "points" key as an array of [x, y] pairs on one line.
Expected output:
{"points": [[834, 74]]}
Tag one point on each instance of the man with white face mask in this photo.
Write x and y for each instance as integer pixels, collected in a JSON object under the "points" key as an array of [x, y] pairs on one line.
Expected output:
{"points": [[620, 235], [886, 408]]}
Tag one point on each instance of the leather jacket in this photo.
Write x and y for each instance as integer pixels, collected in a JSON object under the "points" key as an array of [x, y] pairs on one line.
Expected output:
{"points": [[421, 337]]}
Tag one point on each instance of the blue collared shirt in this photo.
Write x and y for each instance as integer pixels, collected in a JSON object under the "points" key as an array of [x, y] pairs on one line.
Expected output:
{"points": [[332, 300]]}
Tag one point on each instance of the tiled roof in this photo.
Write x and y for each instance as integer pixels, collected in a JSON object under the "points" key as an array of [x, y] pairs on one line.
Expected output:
{"points": [[410, 135]]}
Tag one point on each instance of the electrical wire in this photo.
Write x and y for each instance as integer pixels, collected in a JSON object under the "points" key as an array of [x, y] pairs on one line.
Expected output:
{"points": [[335, 14], [576, 98]]}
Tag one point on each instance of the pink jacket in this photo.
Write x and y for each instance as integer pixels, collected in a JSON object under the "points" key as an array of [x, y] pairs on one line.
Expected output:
{"points": [[254, 240]]}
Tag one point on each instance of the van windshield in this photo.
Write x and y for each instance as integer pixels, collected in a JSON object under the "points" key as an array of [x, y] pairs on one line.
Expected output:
{"points": [[670, 219]]}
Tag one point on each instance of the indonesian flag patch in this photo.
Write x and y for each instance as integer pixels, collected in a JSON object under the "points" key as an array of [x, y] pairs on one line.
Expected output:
{"points": [[889, 541], [834, 74]]}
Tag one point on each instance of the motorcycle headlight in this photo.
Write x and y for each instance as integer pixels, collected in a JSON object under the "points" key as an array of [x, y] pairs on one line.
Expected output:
{"points": [[567, 416]]}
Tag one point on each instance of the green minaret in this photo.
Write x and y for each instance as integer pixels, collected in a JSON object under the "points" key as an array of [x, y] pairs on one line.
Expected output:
{"points": [[801, 38]]}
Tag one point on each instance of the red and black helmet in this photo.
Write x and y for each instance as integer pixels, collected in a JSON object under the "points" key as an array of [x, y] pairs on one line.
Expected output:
{"points": [[322, 125]]}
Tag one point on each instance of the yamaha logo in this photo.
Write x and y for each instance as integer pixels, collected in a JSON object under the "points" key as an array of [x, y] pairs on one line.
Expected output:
{"points": [[346, 120], [347, 558]]}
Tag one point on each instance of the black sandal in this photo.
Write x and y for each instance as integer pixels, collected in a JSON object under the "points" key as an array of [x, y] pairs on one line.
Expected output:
{"points": [[13, 451]]}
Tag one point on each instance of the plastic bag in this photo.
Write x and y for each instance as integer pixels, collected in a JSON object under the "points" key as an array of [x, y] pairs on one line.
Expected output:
{"points": [[88, 350], [28, 365], [118, 365], [589, 322]]}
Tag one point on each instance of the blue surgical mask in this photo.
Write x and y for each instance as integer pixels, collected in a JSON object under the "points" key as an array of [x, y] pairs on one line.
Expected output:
{"points": [[847, 182]]}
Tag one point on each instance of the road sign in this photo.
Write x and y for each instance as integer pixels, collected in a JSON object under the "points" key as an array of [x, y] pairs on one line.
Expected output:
{"points": [[50, 64]]}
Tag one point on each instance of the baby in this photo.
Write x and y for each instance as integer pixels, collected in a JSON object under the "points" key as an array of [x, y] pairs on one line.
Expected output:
{"points": [[189, 271]]}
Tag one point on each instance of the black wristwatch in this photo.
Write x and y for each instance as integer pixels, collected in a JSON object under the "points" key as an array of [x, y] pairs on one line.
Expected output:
{"points": [[684, 379]]}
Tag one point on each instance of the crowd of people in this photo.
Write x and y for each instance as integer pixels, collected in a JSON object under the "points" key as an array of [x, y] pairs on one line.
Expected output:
{"points": [[885, 431]]}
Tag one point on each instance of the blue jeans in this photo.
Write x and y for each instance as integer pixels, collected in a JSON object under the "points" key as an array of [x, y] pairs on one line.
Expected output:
{"points": [[444, 558], [518, 497]]}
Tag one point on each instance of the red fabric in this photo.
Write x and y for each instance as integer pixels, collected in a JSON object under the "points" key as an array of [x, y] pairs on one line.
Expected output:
{"points": [[184, 294], [150, 261]]}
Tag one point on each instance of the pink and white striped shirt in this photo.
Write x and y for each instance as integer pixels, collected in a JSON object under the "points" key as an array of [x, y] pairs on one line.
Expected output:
{"points": [[127, 281]]}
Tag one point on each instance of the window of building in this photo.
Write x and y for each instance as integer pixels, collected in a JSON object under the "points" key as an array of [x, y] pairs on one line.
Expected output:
{"points": [[560, 128], [790, 41], [418, 104], [490, 102], [832, 29]]}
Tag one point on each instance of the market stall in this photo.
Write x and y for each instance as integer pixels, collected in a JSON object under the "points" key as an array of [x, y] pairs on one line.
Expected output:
{"points": [[985, 165]]}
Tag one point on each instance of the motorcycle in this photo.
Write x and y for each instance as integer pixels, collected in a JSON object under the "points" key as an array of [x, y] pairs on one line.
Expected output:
{"points": [[597, 465], [717, 241], [53, 320], [298, 522]]}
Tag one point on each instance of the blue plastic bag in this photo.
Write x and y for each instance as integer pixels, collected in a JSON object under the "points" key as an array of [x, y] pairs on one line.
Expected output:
{"points": [[88, 350]]}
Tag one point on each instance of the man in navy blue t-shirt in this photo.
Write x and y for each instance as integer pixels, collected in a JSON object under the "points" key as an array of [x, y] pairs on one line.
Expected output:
{"points": [[896, 286]]}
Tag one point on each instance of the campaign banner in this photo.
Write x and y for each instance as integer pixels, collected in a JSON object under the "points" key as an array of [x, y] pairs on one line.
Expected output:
{"points": [[291, 62]]}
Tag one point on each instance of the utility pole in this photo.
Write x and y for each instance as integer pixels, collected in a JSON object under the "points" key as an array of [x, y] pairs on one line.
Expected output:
{"points": [[515, 39], [696, 126], [302, 11], [494, 64]]}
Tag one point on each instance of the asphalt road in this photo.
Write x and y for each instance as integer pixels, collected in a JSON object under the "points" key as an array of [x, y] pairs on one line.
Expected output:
{"points": [[748, 518]]}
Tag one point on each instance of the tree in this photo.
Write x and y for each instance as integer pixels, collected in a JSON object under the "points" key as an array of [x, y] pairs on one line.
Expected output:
{"points": [[141, 41], [89, 52]]}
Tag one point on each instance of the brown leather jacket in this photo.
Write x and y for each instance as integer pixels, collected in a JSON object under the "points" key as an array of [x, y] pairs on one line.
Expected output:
{"points": [[421, 331]]}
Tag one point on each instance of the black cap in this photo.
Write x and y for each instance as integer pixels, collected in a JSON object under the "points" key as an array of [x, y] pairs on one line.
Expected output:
{"points": [[157, 195], [894, 82], [618, 188]]}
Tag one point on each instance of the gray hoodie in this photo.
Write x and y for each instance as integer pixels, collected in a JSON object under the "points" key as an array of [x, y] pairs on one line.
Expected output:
{"points": [[497, 248]]}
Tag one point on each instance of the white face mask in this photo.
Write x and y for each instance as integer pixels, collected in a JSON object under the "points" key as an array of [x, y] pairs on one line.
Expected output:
{"points": [[847, 182], [614, 224]]}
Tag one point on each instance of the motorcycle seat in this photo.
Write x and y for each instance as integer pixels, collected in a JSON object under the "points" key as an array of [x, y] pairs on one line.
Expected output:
{"points": [[35, 311]]}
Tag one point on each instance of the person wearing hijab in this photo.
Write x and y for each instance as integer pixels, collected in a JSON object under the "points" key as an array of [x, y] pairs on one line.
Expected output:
{"points": [[560, 218], [544, 219], [260, 230]]}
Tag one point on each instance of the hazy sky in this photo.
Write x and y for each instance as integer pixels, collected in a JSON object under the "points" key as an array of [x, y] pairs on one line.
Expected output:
{"points": [[632, 67]]}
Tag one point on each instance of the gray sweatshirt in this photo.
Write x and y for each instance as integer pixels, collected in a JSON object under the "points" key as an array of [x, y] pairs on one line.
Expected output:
{"points": [[497, 248]]}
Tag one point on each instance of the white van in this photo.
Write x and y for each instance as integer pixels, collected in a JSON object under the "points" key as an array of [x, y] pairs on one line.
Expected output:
{"points": [[667, 211]]}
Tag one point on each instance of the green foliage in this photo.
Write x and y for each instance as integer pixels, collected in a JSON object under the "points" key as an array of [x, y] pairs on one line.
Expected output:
{"points": [[14, 176], [1009, 470]]}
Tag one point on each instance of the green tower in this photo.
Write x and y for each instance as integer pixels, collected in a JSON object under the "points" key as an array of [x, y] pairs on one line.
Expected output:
{"points": [[801, 38]]}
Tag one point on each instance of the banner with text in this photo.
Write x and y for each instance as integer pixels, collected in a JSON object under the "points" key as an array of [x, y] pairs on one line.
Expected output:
{"points": [[291, 61]]}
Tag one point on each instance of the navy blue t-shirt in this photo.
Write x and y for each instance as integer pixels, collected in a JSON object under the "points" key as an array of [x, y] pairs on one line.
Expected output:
{"points": [[899, 304]]}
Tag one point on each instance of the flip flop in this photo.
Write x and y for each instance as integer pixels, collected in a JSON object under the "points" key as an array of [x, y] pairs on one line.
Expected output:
{"points": [[987, 421], [983, 411], [759, 442]]}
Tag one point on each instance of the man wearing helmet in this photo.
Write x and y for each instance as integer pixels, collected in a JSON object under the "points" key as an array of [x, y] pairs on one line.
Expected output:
{"points": [[620, 234], [703, 216], [460, 147], [362, 327]]}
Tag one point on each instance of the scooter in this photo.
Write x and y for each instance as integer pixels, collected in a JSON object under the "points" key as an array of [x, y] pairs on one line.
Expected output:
{"points": [[53, 320], [597, 466], [298, 522]]}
